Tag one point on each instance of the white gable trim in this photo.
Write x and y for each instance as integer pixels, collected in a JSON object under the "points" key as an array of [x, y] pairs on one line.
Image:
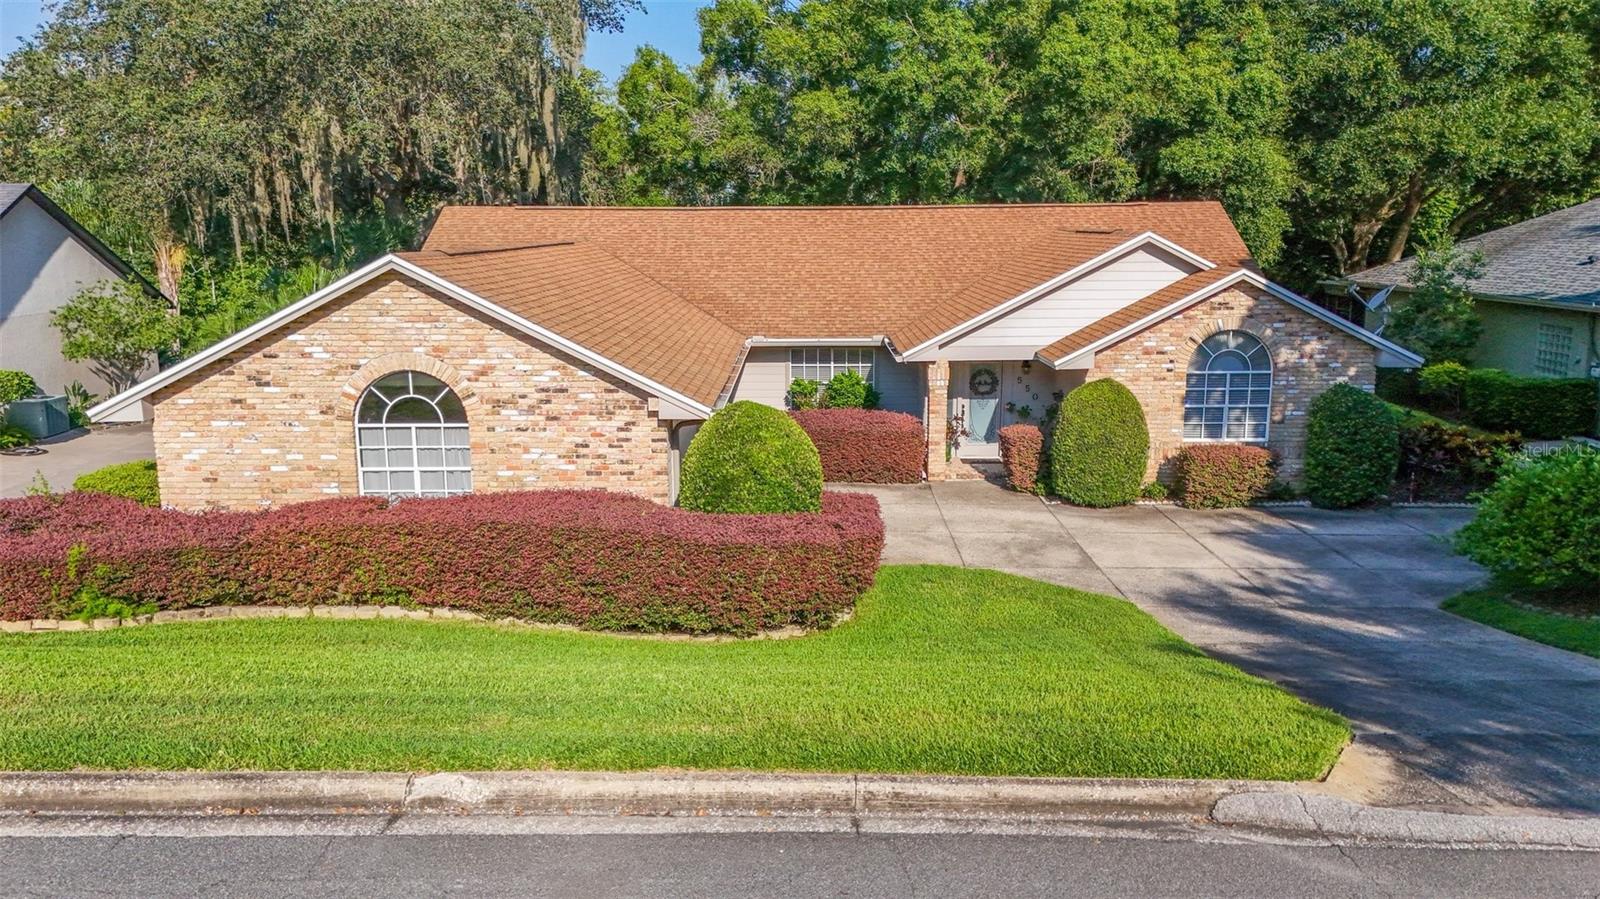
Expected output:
{"points": [[1395, 355], [380, 266], [1148, 238]]}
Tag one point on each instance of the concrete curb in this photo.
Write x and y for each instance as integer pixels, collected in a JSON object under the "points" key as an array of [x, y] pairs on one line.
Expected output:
{"points": [[607, 793], [852, 801], [1339, 820]]}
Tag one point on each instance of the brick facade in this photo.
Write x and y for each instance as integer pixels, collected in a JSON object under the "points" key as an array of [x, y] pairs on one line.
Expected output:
{"points": [[273, 422], [1308, 356]]}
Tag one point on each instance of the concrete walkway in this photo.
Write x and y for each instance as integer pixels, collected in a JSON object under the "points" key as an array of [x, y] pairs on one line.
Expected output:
{"points": [[73, 454], [1339, 607]]}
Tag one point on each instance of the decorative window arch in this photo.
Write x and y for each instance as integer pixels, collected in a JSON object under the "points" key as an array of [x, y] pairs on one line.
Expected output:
{"points": [[1229, 392], [411, 437]]}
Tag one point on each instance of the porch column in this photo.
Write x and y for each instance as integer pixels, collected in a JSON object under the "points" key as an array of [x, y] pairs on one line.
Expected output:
{"points": [[936, 388]]}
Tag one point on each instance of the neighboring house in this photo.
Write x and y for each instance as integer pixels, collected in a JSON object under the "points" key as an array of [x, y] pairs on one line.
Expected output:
{"points": [[1538, 297], [581, 347], [46, 259]]}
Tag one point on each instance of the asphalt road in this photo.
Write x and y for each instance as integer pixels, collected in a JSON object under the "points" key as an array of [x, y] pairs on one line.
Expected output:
{"points": [[766, 864]]}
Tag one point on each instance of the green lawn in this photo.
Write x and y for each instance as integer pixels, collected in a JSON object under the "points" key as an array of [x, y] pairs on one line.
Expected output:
{"points": [[942, 670], [1486, 607]]}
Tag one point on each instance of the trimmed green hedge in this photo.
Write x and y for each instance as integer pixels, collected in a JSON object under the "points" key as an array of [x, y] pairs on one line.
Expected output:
{"points": [[133, 480], [1537, 526], [751, 458], [1537, 408], [1101, 446], [1352, 448]]}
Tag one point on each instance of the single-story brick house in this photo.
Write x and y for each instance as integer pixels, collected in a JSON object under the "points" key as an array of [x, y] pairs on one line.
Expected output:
{"points": [[526, 347]]}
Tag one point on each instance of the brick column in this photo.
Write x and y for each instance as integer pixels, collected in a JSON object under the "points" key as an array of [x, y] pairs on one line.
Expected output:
{"points": [[936, 389]]}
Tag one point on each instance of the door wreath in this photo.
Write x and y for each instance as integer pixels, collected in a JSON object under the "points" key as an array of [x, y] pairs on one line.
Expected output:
{"points": [[983, 382]]}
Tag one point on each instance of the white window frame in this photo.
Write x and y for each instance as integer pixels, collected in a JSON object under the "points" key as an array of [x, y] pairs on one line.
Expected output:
{"points": [[1544, 352], [863, 360], [454, 441], [1230, 381]]}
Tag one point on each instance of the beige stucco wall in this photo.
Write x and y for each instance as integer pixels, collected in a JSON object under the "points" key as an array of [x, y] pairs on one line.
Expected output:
{"points": [[42, 267], [1308, 356], [273, 422]]}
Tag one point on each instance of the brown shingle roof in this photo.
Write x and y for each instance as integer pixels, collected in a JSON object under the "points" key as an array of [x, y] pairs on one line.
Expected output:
{"points": [[840, 271], [672, 292], [586, 295]]}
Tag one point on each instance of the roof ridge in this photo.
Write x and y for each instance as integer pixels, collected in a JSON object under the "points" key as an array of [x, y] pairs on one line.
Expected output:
{"points": [[512, 249], [738, 332], [839, 206]]}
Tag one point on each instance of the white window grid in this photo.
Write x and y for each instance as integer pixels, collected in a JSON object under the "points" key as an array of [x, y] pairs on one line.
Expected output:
{"points": [[820, 364], [1552, 355], [422, 459], [1228, 405]]}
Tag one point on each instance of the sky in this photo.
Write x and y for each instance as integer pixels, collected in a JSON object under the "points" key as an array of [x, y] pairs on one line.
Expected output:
{"points": [[667, 25]]}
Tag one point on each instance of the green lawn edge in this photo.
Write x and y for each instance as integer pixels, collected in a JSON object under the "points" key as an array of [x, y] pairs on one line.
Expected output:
{"points": [[941, 671], [1489, 606]]}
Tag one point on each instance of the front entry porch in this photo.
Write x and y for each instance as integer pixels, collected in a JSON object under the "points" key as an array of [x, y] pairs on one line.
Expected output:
{"points": [[987, 396]]}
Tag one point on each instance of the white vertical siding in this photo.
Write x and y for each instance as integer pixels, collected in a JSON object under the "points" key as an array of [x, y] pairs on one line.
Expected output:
{"points": [[765, 379], [1087, 300]]}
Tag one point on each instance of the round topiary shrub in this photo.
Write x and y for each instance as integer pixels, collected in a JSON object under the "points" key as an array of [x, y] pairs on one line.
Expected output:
{"points": [[1537, 526], [750, 458], [133, 480], [1101, 446], [1352, 448]]}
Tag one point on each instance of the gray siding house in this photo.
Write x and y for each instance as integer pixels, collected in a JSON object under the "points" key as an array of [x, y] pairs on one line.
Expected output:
{"points": [[1538, 297], [46, 258]]}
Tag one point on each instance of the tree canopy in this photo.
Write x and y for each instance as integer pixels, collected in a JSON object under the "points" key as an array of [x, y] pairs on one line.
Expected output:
{"points": [[237, 152]]}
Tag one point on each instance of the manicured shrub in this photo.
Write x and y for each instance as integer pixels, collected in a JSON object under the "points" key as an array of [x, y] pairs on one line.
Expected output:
{"points": [[751, 458], [14, 385], [1022, 457], [1352, 448], [12, 436], [1537, 526], [1444, 462], [804, 393], [1442, 385], [1222, 475], [133, 480], [866, 446], [1537, 408], [588, 558], [848, 390], [1101, 446]]}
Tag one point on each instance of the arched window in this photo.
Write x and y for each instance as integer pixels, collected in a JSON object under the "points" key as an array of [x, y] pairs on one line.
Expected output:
{"points": [[411, 435], [1229, 395]]}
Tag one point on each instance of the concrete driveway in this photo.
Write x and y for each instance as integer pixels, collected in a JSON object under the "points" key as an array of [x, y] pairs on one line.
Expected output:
{"points": [[1339, 607], [75, 453]]}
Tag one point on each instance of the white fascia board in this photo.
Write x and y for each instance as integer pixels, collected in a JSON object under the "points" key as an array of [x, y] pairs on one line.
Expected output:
{"points": [[226, 345], [1386, 348], [817, 341], [545, 335], [1147, 238], [1393, 350], [360, 276]]}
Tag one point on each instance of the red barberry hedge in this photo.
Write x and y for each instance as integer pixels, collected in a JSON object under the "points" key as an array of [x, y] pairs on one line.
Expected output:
{"points": [[1222, 475], [1022, 455], [866, 446], [587, 558]]}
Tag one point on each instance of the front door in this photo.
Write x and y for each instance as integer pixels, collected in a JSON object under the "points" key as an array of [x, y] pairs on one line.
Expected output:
{"points": [[975, 397]]}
